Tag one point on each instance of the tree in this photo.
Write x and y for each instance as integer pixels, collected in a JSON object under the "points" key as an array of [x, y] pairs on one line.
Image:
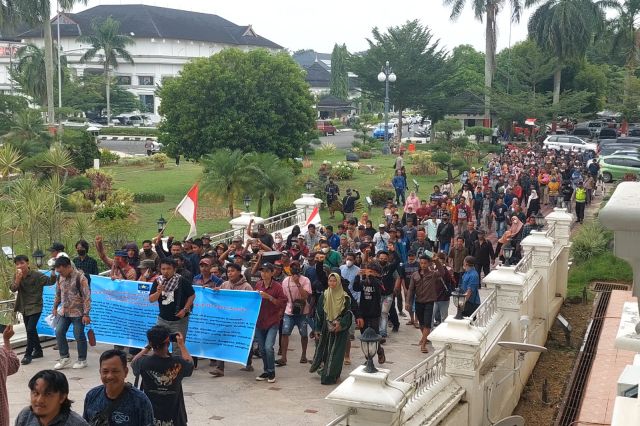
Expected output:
{"points": [[466, 70], [416, 59], [106, 38], [81, 147], [488, 10], [448, 127], [9, 161], [626, 37], [447, 162], [524, 67], [28, 70], [249, 101], [565, 28], [10, 105], [273, 180], [225, 174], [593, 78], [339, 86], [87, 94]]}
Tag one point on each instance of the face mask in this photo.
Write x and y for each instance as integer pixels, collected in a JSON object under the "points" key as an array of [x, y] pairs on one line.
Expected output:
{"points": [[383, 262], [255, 250], [278, 240], [81, 252], [147, 251], [349, 263], [325, 249], [295, 271]]}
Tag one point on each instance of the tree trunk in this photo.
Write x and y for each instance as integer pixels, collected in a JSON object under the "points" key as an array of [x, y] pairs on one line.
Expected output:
{"points": [[399, 133], [272, 200], [628, 73], [260, 205], [230, 200], [108, 87], [557, 75], [489, 60], [48, 68], [449, 175]]}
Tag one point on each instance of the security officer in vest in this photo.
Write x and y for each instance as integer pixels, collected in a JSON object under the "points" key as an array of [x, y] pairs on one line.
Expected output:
{"points": [[581, 201]]}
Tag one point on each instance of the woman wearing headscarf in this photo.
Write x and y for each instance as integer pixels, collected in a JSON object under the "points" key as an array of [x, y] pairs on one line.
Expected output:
{"points": [[533, 203], [332, 322], [413, 201], [293, 236]]}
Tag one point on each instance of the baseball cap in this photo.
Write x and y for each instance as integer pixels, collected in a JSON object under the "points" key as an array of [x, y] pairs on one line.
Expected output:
{"points": [[268, 266], [56, 246], [206, 261], [120, 253]]}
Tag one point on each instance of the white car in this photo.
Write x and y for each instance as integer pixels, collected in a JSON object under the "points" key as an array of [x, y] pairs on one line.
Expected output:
{"points": [[568, 143]]}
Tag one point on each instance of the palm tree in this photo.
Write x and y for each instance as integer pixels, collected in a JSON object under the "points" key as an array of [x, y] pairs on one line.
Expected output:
{"points": [[488, 10], [28, 70], [225, 173], [38, 12], [9, 160], [106, 38], [565, 28], [274, 178], [626, 38]]}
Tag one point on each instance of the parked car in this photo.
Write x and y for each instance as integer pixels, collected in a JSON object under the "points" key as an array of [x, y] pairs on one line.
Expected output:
{"points": [[608, 133], [153, 147], [326, 128], [569, 143], [378, 133], [615, 167], [634, 132], [615, 147], [582, 132], [595, 127]]}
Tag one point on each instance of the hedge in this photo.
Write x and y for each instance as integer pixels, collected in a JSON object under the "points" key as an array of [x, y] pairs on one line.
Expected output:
{"points": [[148, 197]]}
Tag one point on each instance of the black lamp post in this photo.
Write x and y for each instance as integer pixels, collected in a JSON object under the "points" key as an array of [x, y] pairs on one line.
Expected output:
{"points": [[161, 222], [369, 343], [38, 256], [308, 185], [458, 301], [247, 202], [540, 221], [507, 252], [386, 76]]}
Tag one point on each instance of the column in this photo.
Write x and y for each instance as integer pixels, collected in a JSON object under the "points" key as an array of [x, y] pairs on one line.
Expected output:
{"points": [[509, 286], [543, 305], [561, 221], [308, 203]]}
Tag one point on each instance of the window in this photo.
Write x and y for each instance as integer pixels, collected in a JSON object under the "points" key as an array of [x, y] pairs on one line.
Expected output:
{"points": [[553, 139], [145, 80], [563, 139], [614, 161], [148, 103], [577, 141], [123, 80]]}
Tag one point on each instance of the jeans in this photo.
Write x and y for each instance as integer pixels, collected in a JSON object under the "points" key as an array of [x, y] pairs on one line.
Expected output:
{"points": [[266, 338], [78, 334], [399, 196], [500, 228], [33, 340], [440, 312], [180, 326], [388, 312]]}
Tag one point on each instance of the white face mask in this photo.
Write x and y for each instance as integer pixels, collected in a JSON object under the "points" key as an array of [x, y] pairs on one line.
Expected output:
{"points": [[325, 249], [349, 263]]}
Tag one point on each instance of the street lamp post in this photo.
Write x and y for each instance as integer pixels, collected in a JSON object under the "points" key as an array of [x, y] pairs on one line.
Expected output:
{"points": [[386, 75]]}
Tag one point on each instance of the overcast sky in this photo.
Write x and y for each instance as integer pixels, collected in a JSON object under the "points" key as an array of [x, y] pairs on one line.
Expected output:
{"points": [[302, 24]]}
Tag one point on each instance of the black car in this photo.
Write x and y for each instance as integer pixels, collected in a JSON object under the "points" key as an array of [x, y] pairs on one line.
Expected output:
{"points": [[608, 133], [634, 132], [582, 132]]}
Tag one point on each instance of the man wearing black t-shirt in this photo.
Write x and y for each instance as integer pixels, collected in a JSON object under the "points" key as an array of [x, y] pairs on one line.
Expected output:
{"points": [[162, 376], [175, 296]]}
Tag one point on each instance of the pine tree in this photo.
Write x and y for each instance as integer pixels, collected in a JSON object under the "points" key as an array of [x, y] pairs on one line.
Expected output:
{"points": [[339, 78]]}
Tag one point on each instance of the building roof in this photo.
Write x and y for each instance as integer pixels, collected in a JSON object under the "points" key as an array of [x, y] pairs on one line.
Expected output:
{"points": [[159, 22], [333, 102], [317, 75], [306, 58]]}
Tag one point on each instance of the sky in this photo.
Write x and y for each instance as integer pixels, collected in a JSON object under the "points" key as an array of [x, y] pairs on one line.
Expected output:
{"points": [[302, 24]]}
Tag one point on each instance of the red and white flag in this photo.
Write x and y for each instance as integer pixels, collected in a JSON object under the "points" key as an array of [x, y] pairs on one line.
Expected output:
{"points": [[188, 208]]}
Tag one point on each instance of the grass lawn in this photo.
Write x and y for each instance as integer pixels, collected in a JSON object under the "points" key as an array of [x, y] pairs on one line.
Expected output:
{"points": [[174, 182], [605, 267]]}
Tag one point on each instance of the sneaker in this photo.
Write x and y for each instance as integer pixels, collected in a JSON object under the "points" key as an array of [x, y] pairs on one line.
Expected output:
{"points": [[62, 363], [271, 378], [79, 364], [37, 354], [26, 360], [248, 368], [216, 372], [262, 377]]}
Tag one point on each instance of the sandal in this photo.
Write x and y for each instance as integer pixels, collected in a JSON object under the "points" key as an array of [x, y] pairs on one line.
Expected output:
{"points": [[347, 362], [304, 360], [409, 323], [416, 325], [382, 358], [281, 363], [424, 350]]}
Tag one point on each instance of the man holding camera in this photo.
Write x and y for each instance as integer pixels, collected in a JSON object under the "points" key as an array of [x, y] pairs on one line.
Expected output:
{"points": [[349, 203], [162, 375], [297, 289]]}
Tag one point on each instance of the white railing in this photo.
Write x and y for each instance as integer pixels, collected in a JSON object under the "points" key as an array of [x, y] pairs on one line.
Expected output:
{"points": [[338, 420], [7, 311], [285, 220], [525, 264], [227, 236], [486, 310], [425, 375], [551, 231]]}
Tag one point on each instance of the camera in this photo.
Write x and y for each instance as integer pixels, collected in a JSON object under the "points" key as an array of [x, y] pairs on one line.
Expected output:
{"points": [[173, 337]]}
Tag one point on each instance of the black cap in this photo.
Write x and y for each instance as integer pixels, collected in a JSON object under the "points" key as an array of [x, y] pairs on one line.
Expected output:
{"points": [[268, 266], [413, 253], [56, 246]]}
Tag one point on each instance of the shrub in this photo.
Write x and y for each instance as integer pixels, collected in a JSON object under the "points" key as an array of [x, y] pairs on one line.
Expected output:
{"points": [[379, 196], [108, 158], [422, 165], [101, 183], [342, 171], [160, 160], [148, 197], [118, 205], [327, 148], [82, 148], [590, 241], [136, 161], [78, 183], [130, 131], [479, 132], [76, 202]]}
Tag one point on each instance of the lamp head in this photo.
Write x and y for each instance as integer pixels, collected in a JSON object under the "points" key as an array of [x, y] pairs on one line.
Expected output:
{"points": [[161, 222], [507, 250], [392, 77], [381, 77]]}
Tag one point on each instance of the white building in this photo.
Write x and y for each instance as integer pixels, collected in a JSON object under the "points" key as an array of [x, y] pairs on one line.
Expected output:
{"points": [[165, 39]]}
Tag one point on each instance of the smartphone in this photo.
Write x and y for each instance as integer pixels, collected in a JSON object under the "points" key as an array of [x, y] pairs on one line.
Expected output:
{"points": [[173, 337]]}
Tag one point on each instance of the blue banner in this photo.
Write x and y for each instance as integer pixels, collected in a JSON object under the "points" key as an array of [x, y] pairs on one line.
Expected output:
{"points": [[221, 325]]}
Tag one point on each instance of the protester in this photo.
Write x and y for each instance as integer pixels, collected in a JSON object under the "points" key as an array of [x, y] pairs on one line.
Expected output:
{"points": [[30, 284], [370, 286], [297, 289], [83, 262], [50, 403], [580, 197], [175, 297], [72, 305], [9, 365], [469, 285], [162, 375], [115, 401]]}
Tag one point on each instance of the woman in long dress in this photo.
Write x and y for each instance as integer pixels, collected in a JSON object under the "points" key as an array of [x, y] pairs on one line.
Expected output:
{"points": [[333, 319]]}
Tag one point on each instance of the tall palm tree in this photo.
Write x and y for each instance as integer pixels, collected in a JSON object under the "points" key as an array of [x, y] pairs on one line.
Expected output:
{"points": [[487, 10], [28, 69], [225, 173], [626, 38], [274, 178], [106, 38], [38, 12], [565, 28]]}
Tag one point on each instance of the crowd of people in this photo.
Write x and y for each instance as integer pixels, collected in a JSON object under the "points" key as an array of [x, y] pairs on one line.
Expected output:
{"points": [[323, 282]]}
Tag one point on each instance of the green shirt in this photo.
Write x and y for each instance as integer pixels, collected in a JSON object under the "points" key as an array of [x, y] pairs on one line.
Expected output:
{"points": [[29, 299], [333, 259]]}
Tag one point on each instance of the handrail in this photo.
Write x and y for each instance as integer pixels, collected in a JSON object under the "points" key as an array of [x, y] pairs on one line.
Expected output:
{"points": [[344, 416], [285, 220], [525, 264], [551, 231], [7, 310], [227, 236], [425, 375], [486, 310]]}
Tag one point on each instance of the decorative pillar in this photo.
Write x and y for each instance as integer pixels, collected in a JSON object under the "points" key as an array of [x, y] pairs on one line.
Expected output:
{"points": [[308, 203], [540, 248], [243, 220], [622, 215], [463, 360], [509, 286], [370, 397], [561, 221]]}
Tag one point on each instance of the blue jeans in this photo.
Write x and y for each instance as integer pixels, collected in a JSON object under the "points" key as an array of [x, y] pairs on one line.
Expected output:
{"points": [[501, 227], [387, 304], [444, 247], [266, 338], [78, 334], [440, 312]]}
